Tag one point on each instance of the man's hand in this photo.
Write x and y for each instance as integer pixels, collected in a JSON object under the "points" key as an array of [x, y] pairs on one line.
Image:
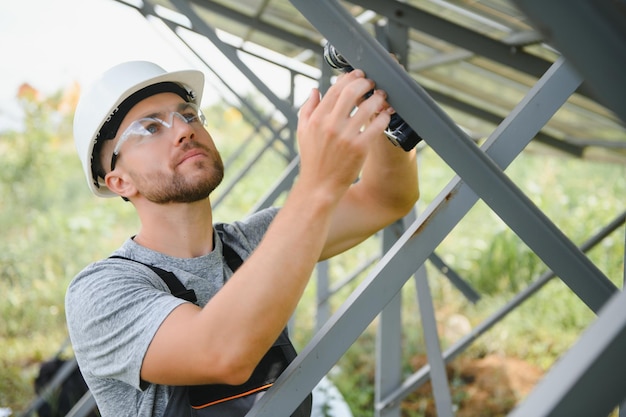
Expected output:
{"points": [[335, 139]]}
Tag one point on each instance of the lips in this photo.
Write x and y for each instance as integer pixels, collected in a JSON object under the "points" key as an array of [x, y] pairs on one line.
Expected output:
{"points": [[191, 154]]}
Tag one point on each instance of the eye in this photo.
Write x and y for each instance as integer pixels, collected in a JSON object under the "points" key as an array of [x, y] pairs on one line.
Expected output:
{"points": [[150, 126], [190, 116], [153, 128]]}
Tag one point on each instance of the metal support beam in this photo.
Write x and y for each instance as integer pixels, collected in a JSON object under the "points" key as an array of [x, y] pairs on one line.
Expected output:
{"points": [[53, 386], [422, 376], [203, 28], [448, 31], [592, 35], [438, 375], [389, 338], [389, 331], [444, 99], [259, 25], [590, 379], [323, 311], [84, 407], [463, 286], [148, 9], [479, 171], [282, 185], [482, 170], [246, 168], [413, 248]]}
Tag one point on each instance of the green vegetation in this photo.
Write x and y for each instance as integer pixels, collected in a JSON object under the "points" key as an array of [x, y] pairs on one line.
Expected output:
{"points": [[52, 227]]}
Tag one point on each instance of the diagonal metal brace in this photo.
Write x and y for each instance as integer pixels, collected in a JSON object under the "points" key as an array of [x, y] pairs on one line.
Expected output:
{"points": [[475, 167]]}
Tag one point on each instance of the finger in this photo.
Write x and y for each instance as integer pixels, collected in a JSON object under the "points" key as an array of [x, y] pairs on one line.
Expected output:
{"points": [[370, 108], [341, 98], [378, 123], [309, 106]]}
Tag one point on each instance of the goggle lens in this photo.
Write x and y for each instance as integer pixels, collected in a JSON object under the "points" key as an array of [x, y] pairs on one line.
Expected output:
{"points": [[156, 126]]}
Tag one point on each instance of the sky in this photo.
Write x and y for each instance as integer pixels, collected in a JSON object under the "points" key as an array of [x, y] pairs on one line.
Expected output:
{"points": [[51, 44]]}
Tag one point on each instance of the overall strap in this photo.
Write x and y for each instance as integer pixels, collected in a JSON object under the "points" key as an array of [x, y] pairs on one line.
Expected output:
{"points": [[233, 260], [176, 287]]}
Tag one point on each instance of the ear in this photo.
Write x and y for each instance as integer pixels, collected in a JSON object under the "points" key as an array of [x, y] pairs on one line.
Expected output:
{"points": [[120, 184]]}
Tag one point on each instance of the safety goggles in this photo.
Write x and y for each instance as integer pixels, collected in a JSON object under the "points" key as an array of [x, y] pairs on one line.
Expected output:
{"points": [[156, 126]]}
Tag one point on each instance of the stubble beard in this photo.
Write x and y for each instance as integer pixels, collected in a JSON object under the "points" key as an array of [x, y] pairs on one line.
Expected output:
{"points": [[180, 188]]}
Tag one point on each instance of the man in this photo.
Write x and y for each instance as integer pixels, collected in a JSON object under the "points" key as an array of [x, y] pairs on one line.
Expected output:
{"points": [[141, 136]]}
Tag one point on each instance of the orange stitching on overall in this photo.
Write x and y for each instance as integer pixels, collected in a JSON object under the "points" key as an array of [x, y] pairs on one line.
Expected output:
{"points": [[198, 407]]}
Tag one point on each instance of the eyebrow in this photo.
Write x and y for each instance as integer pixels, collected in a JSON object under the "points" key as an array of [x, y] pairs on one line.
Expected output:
{"points": [[158, 115]]}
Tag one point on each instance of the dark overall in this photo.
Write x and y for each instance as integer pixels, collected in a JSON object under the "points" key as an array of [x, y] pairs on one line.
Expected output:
{"points": [[221, 400]]}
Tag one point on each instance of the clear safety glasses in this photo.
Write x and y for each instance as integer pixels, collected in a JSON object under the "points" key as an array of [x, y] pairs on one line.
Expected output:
{"points": [[156, 126]]}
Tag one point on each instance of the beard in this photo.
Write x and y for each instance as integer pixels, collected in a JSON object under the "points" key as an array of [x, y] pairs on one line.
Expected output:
{"points": [[161, 188]]}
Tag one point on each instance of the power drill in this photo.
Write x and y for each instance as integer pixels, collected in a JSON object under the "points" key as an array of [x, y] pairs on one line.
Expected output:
{"points": [[398, 131]]}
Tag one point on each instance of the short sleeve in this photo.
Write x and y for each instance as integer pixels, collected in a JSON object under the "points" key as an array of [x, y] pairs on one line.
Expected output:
{"points": [[114, 308]]}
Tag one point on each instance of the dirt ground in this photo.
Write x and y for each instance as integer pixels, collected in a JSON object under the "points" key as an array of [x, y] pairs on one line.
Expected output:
{"points": [[485, 387]]}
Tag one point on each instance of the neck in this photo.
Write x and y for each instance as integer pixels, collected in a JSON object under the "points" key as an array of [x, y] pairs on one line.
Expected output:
{"points": [[179, 230]]}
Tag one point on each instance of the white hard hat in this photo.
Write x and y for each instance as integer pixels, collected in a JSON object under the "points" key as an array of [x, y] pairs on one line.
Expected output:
{"points": [[107, 98]]}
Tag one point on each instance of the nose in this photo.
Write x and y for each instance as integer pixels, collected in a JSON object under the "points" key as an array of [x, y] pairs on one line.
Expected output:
{"points": [[181, 129]]}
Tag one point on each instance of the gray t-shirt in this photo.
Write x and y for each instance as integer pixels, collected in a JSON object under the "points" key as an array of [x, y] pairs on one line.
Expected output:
{"points": [[114, 308]]}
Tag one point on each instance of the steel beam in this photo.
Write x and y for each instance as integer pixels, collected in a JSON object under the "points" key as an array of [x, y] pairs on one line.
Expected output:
{"points": [[204, 29], [438, 376], [389, 339], [463, 286], [487, 179], [259, 25], [84, 407], [590, 379], [282, 185], [475, 167], [422, 376], [148, 9], [48, 391], [413, 248], [592, 35], [454, 34]]}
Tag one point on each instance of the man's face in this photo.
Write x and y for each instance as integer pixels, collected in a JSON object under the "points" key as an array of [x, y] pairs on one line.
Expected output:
{"points": [[177, 163]]}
